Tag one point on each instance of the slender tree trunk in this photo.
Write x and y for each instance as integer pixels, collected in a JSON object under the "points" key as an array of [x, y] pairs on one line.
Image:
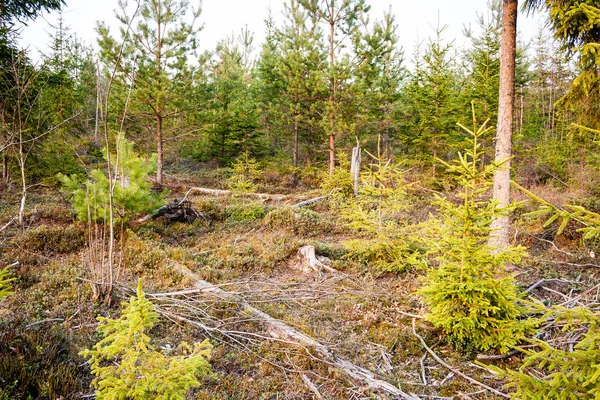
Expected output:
{"points": [[332, 91], [159, 108], [295, 149], [5, 178], [499, 237], [23, 177], [159, 149]]}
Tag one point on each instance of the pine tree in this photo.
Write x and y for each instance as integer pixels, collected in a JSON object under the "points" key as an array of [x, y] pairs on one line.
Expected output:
{"points": [[234, 116], [155, 63], [483, 64], [132, 192], [127, 366], [300, 70], [378, 77], [340, 17], [432, 106]]}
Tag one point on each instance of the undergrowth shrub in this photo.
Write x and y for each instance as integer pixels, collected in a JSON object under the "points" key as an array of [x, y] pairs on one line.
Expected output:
{"points": [[132, 188], [339, 184], [376, 214], [47, 239], [244, 213], [554, 371], [471, 296], [299, 220], [127, 366], [5, 280], [245, 171], [39, 365]]}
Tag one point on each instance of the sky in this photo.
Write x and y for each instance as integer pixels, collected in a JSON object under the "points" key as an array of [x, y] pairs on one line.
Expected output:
{"points": [[221, 18]]}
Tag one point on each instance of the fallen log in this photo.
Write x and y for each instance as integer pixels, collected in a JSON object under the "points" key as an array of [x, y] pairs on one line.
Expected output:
{"points": [[279, 330]]}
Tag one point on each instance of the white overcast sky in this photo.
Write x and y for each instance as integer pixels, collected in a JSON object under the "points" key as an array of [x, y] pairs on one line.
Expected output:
{"points": [[224, 17]]}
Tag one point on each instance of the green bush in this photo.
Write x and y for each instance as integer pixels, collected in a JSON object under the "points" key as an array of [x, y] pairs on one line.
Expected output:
{"points": [[375, 213], [132, 189], [127, 366], [471, 296], [299, 220], [556, 372], [244, 213]]}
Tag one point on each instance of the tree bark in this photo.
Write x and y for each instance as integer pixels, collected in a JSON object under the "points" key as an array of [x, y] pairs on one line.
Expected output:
{"points": [[295, 149], [332, 90], [499, 238]]}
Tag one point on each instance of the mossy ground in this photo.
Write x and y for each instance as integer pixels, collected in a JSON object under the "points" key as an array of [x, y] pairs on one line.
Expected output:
{"points": [[358, 313]]}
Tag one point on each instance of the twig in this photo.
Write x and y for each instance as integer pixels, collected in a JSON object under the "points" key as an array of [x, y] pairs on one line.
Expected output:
{"points": [[422, 364], [551, 243], [9, 222], [454, 369], [43, 322], [313, 388]]}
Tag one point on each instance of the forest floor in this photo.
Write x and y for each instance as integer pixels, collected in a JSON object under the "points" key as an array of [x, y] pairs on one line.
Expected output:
{"points": [[363, 316]]}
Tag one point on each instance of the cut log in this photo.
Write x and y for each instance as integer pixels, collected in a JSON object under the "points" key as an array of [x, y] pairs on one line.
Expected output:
{"points": [[280, 330]]}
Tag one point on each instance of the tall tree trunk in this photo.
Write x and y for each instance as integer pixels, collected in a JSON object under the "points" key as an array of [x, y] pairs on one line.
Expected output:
{"points": [[332, 90], [159, 108], [499, 238]]}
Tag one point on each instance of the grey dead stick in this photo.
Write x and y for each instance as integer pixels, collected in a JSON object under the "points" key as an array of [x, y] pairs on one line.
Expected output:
{"points": [[280, 330]]}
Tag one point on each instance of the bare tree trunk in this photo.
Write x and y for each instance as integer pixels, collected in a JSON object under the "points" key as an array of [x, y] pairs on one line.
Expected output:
{"points": [[499, 237], [159, 149], [295, 149], [5, 176], [332, 91]]}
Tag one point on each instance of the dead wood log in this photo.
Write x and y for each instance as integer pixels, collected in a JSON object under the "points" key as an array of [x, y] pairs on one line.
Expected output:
{"points": [[310, 201], [175, 211], [279, 330]]}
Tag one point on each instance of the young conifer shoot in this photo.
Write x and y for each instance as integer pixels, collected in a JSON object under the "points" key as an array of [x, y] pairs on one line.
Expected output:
{"points": [[471, 296], [127, 366]]}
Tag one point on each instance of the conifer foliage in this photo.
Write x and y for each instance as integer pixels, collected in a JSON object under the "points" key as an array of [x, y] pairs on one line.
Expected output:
{"points": [[132, 191], [127, 366], [471, 296], [5, 288]]}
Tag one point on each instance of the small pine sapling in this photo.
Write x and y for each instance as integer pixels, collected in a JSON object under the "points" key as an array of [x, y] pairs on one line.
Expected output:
{"points": [[132, 189], [376, 211], [126, 365], [245, 172], [471, 296]]}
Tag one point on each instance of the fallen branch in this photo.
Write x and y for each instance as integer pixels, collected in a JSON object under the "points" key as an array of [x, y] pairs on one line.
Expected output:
{"points": [[219, 192], [8, 223], [313, 388], [44, 321], [279, 330], [454, 369]]}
